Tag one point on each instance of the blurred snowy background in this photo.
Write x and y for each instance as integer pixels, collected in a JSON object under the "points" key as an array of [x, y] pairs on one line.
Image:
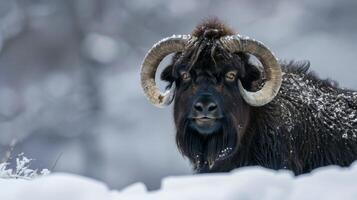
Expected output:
{"points": [[69, 74]]}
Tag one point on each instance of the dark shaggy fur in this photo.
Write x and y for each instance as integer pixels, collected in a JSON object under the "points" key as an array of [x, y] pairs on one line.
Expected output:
{"points": [[310, 123], [212, 23]]}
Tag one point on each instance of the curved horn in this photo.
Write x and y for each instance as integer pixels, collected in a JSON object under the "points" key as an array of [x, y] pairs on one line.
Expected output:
{"points": [[272, 68], [175, 43]]}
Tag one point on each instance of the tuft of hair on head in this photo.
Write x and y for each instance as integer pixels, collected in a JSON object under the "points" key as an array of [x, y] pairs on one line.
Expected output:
{"points": [[212, 28]]}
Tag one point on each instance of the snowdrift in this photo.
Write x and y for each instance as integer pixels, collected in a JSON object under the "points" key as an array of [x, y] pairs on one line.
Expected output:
{"points": [[246, 183]]}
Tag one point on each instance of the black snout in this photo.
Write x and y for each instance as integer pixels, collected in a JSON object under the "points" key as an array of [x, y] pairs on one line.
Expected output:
{"points": [[206, 114], [205, 107]]}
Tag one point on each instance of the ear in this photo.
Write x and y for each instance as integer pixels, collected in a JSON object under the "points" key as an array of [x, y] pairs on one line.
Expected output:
{"points": [[252, 73], [167, 75]]}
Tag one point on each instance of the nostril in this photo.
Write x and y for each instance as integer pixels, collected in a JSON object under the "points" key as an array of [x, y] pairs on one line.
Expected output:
{"points": [[212, 107], [198, 106]]}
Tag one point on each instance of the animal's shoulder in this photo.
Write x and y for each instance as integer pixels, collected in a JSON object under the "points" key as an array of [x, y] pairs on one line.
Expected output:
{"points": [[300, 72]]}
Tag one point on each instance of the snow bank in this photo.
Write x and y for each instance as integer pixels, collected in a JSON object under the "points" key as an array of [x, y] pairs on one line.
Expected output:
{"points": [[245, 183]]}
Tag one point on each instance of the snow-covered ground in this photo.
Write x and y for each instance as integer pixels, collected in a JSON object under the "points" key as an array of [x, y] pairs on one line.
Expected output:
{"points": [[246, 183]]}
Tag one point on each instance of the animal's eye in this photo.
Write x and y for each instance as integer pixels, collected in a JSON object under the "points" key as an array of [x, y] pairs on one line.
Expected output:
{"points": [[185, 76], [231, 76]]}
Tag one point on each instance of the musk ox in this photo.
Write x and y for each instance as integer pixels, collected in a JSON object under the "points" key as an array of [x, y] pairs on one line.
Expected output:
{"points": [[229, 112]]}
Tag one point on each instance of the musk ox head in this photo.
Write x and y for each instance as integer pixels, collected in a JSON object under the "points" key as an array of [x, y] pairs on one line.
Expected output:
{"points": [[211, 80]]}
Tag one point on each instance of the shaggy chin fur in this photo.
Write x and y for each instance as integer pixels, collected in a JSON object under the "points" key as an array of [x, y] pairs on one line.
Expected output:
{"points": [[309, 124], [207, 152]]}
